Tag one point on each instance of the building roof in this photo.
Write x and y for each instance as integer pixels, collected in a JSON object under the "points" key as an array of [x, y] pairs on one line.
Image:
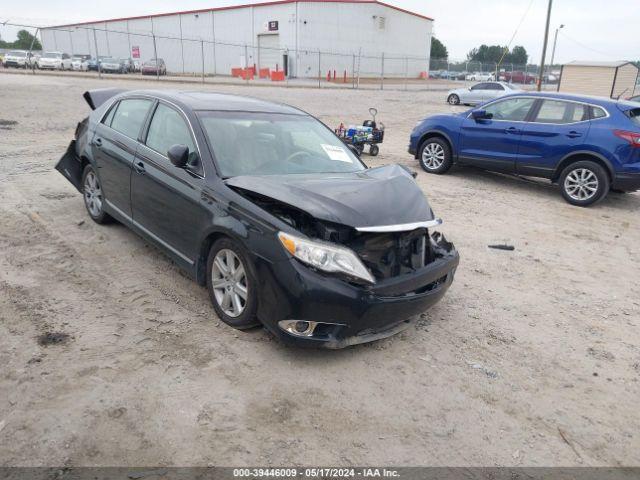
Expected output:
{"points": [[578, 63], [246, 5]]}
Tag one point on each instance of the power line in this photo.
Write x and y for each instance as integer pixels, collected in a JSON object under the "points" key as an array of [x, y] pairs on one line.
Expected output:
{"points": [[526, 12], [586, 46]]}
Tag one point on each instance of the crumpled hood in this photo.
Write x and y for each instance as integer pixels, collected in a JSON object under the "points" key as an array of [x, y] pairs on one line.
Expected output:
{"points": [[378, 196]]}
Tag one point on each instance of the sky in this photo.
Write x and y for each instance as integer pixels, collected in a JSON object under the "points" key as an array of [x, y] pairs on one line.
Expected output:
{"points": [[594, 29]]}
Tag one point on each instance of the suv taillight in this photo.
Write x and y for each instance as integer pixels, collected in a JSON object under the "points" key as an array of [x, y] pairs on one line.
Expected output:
{"points": [[631, 137]]}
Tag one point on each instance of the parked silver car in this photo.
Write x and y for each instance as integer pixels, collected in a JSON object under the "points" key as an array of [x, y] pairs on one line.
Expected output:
{"points": [[479, 93]]}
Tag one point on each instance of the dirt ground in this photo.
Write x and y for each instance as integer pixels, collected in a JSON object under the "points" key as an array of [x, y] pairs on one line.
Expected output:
{"points": [[109, 355]]}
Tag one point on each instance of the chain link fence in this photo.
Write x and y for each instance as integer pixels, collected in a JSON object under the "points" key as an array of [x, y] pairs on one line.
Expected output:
{"points": [[187, 58]]}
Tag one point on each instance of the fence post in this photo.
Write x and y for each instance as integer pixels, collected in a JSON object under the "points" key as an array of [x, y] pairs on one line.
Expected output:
{"points": [[33, 64], [319, 70], [406, 72], [382, 73], [155, 55], [359, 60], [202, 55], [95, 41], [353, 70], [246, 62]]}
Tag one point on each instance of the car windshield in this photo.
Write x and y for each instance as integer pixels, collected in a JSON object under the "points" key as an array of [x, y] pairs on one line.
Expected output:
{"points": [[52, 55], [247, 143], [17, 54], [150, 62], [78, 59], [634, 115]]}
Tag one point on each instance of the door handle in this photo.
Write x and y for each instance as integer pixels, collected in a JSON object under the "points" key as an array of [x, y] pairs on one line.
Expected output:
{"points": [[573, 134], [139, 168], [512, 130], [98, 142]]}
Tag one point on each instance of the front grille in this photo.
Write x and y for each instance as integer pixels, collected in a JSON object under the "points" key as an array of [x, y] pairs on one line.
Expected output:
{"points": [[388, 255]]}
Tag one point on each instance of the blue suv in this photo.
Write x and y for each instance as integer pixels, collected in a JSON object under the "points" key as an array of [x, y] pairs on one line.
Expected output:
{"points": [[587, 145]]}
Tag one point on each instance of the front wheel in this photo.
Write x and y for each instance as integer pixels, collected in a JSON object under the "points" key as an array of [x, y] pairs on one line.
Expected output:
{"points": [[435, 156], [232, 284], [453, 99], [374, 150], [584, 183]]}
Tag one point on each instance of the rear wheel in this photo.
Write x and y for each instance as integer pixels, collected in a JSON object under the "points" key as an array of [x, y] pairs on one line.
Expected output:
{"points": [[435, 155], [453, 99], [584, 183], [374, 150], [232, 284], [93, 196]]}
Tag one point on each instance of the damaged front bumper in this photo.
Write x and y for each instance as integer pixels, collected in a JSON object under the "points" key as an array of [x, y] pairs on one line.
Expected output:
{"points": [[349, 314]]}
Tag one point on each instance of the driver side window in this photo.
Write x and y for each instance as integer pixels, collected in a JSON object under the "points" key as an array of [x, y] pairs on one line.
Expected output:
{"points": [[513, 109], [169, 128]]}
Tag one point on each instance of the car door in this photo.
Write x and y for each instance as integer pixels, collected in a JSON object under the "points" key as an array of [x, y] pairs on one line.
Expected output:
{"points": [[493, 142], [557, 128], [492, 91], [474, 96], [114, 147], [166, 199]]}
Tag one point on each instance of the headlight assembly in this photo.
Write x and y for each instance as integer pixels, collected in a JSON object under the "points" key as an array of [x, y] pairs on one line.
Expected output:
{"points": [[325, 256]]}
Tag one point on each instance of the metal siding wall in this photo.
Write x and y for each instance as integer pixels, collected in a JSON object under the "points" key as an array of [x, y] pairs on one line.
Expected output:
{"points": [[232, 26], [140, 35], [198, 27], [169, 49], [587, 80]]}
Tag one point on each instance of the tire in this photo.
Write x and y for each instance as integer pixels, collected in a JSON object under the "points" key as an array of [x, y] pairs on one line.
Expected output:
{"points": [[93, 196], [453, 99], [374, 150], [584, 183], [226, 298], [435, 156]]}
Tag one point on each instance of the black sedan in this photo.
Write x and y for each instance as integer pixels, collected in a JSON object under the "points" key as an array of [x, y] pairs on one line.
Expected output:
{"points": [[264, 205]]}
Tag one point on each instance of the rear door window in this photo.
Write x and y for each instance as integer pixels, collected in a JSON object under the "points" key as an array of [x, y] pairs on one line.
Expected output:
{"points": [[130, 115], [559, 112]]}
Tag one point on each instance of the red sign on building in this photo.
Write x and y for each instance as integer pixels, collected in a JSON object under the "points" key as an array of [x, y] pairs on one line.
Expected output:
{"points": [[135, 52]]}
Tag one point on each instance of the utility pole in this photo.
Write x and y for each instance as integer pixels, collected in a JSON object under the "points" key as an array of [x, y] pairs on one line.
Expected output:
{"points": [[95, 42], [555, 40], [544, 46]]}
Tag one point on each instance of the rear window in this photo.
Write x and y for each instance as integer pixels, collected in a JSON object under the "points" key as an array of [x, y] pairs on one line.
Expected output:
{"points": [[557, 111], [130, 116], [634, 115]]}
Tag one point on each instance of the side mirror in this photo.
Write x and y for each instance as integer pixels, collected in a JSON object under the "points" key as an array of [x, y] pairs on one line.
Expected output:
{"points": [[480, 114], [178, 155], [354, 150]]}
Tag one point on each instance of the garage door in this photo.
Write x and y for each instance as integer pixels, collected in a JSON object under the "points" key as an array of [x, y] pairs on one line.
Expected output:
{"points": [[269, 53]]}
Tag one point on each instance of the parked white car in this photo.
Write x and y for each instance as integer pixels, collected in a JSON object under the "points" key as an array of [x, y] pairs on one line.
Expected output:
{"points": [[480, 92], [18, 59], [80, 63], [55, 61], [480, 77]]}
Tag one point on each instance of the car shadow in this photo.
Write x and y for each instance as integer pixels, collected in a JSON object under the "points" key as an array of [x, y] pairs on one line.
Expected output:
{"points": [[538, 186]]}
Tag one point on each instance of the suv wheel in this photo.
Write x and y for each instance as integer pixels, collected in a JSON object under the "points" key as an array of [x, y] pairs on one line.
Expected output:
{"points": [[435, 155], [232, 284], [584, 183], [93, 196]]}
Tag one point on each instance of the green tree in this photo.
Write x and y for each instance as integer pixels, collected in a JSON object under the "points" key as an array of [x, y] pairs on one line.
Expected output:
{"points": [[517, 56], [438, 50], [24, 41]]}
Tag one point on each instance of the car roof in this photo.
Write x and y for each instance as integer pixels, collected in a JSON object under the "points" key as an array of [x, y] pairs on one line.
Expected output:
{"points": [[602, 101], [195, 100]]}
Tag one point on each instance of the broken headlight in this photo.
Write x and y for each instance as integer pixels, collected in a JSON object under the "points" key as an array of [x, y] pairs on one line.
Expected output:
{"points": [[325, 256]]}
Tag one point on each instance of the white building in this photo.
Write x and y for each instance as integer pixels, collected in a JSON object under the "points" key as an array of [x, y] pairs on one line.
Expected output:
{"points": [[353, 35]]}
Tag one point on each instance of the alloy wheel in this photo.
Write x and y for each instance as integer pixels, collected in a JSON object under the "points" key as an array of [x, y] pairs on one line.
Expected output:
{"points": [[229, 282], [93, 194], [432, 156], [581, 184]]}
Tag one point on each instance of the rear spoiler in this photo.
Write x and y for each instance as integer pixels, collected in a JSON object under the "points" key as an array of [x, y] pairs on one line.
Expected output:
{"points": [[97, 97]]}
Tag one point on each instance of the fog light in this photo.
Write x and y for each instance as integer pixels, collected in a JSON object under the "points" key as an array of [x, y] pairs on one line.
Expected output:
{"points": [[301, 327]]}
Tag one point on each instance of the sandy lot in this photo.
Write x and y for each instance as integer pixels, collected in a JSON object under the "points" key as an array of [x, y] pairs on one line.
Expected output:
{"points": [[532, 358]]}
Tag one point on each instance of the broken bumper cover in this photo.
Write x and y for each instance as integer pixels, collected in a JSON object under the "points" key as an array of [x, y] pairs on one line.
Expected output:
{"points": [[349, 314]]}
